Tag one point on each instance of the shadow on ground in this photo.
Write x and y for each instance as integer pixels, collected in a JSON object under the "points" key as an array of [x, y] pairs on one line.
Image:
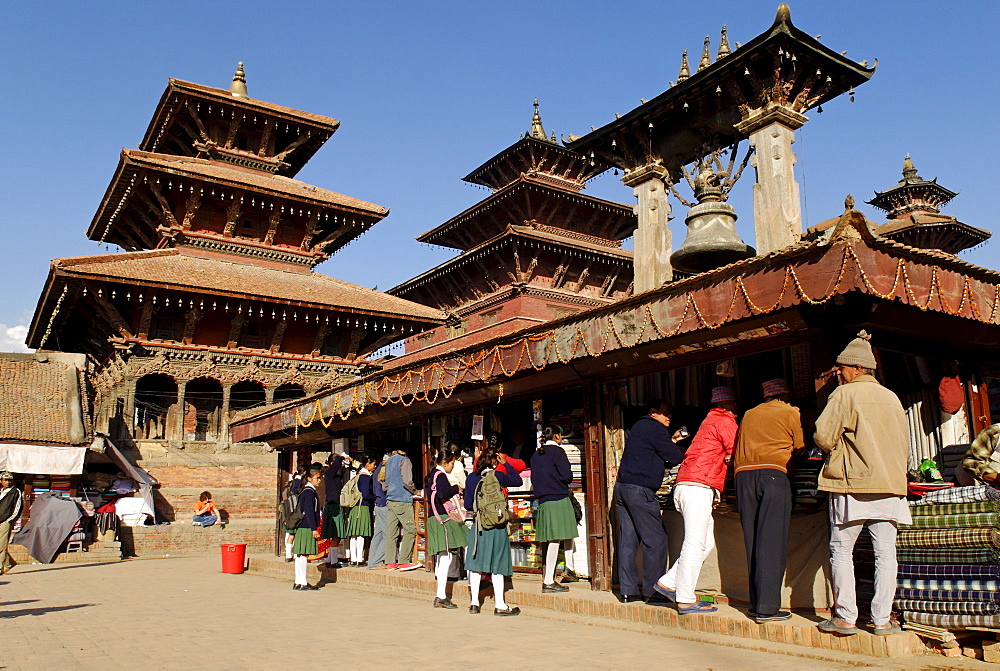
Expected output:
{"points": [[41, 611]]}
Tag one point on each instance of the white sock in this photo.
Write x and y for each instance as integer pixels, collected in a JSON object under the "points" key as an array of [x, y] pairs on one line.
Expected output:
{"points": [[301, 566], [357, 548], [288, 549], [441, 573], [475, 579], [498, 585], [570, 554], [551, 557]]}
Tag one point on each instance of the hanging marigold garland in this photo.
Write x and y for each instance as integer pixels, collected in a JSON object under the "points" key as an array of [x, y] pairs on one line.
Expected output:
{"points": [[439, 379]]}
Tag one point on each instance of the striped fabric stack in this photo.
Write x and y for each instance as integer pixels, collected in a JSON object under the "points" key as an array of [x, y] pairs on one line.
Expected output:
{"points": [[949, 560]]}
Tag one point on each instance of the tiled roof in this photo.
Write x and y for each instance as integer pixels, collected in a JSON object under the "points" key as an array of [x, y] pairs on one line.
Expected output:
{"points": [[182, 269], [41, 399], [225, 96], [239, 177]]}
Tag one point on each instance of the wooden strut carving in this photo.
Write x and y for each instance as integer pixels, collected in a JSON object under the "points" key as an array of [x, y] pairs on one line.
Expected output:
{"points": [[112, 314], [265, 139], [201, 127], [311, 229], [272, 226], [279, 334], [320, 339], [234, 128], [168, 215], [232, 216], [357, 335], [191, 208], [236, 326], [191, 320], [148, 309], [302, 139]]}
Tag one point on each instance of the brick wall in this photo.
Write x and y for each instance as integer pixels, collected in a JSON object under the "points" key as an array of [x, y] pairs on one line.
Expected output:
{"points": [[179, 540], [240, 491]]}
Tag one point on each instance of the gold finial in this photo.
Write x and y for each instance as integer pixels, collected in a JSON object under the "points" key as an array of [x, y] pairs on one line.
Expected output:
{"points": [[685, 70], [909, 172], [849, 202], [238, 88], [706, 55], [724, 49], [537, 131]]}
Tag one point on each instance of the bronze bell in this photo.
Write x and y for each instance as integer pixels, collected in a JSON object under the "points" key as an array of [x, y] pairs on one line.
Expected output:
{"points": [[712, 240]]}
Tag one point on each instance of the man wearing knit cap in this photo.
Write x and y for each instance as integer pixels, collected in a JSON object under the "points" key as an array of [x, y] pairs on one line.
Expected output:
{"points": [[864, 432], [700, 480], [10, 510], [769, 434]]}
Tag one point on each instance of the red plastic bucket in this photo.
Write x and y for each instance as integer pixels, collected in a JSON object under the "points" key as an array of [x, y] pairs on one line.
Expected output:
{"points": [[234, 557]]}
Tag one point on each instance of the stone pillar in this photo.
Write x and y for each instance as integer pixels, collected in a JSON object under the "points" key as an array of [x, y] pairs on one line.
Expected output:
{"points": [[777, 211], [652, 237], [179, 436], [128, 412], [269, 395]]}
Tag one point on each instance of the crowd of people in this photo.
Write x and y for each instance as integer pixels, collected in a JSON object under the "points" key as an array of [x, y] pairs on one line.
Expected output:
{"points": [[467, 516], [862, 430]]}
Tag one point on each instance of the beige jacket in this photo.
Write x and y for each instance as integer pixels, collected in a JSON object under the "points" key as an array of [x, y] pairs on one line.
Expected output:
{"points": [[864, 431]]}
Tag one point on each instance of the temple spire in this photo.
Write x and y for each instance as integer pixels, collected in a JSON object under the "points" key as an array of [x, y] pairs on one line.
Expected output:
{"points": [[537, 130], [706, 55], [909, 172], [238, 87], [685, 69], [724, 49]]}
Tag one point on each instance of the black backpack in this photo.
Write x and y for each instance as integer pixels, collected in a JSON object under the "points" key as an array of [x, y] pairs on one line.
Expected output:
{"points": [[290, 511]]}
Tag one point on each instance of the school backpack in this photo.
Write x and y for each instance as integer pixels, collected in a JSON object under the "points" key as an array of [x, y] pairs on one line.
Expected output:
{"points": [[490, 504], [290, 511], [350, 495]]}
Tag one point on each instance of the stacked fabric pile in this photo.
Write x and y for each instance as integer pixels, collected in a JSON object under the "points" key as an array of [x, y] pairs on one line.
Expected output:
{"points": [[60, 484], [949, 560]]}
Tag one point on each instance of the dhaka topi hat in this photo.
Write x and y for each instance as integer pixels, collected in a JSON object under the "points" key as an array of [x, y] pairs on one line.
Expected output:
{"points": [[722, 394], [776, 387], [858, 352], [6, 475]]}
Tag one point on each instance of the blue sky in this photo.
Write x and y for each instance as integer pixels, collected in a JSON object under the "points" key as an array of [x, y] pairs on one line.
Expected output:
{"points": [[427, 91]]}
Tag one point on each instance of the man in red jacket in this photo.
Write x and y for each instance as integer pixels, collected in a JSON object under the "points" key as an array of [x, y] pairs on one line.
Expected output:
{"points": [[700, 480]]}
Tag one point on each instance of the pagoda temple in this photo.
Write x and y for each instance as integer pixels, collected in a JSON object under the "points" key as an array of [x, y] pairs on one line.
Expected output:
{"points": [[915, 219], [535, 249], [213, 307]]}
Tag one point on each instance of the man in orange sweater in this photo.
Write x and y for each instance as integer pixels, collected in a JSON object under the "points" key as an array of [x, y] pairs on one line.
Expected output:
{"points": [[768, 436]]}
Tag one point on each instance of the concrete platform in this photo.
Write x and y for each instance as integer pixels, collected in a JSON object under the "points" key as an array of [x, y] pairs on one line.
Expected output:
{"points": [[729, 626]]}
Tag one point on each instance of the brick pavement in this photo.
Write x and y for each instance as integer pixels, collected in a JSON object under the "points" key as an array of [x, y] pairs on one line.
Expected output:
{"points": [[184, 613]]}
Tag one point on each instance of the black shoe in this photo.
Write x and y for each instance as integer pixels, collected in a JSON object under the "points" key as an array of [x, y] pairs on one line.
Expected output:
{"points": [[296, 586], [444, 603], [474, 610], [775, 617], [289, 560], [553, 587], [630, 598], [507, 612], [570, 576], [308, 588], [657, 600]]}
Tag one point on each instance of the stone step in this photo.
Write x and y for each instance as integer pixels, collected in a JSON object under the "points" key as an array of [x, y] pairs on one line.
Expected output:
{"points": [[98, 551], [798, 636]]}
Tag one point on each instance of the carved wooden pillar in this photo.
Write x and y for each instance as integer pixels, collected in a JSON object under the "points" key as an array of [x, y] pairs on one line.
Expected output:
{"points": [[777, 213], [128, 420], [179, 434], [227, 390], [269, 395], [653, 242]]}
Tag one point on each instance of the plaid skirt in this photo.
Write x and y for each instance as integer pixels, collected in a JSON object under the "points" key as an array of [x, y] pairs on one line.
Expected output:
{"points": [[334, 525], [556, 521], [445, 537], [304, 543], [359, 522]]}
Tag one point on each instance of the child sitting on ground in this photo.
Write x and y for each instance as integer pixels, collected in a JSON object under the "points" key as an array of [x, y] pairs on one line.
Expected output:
{"points": [[205, 512]]}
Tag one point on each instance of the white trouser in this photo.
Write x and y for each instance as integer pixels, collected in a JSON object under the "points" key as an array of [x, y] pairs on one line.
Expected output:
{"points": [[695, 505], [842, 539]]}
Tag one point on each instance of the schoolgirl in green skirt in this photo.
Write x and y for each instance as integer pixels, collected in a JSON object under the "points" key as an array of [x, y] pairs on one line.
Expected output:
{"points": [[444, 535], [555, 526], [488, 551], [304, 543], [359, 520]]}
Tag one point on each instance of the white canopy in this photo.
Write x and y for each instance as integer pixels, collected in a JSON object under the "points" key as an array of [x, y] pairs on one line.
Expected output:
{"points": [[49, 459]]}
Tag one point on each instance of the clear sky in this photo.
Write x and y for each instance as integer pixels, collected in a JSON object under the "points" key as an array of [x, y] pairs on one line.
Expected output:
{"points": [[427, 91]]}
